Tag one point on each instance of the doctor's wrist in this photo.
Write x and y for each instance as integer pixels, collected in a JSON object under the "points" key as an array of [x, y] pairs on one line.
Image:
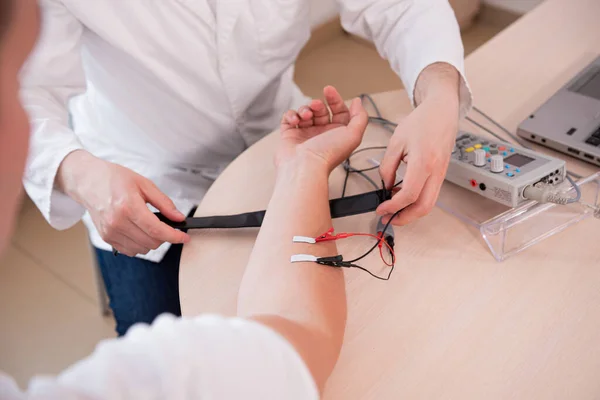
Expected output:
{"points": [[74, 167], [438, 82]]}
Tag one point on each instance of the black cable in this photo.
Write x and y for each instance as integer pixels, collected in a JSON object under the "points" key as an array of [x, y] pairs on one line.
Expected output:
{"points": [[361, 173], [345, 182], [379, 117], [366, 149], [336, 261], [368, 97], [351, 263], [387, 278], [376, 244], [382, 121], [386, 124], [349, 169]]}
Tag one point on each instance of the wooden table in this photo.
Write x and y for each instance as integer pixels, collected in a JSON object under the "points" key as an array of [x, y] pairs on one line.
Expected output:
{"points": [[452, 322]]}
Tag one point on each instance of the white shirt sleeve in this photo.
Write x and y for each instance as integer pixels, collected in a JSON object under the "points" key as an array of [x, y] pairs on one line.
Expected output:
{"points": [[411, 35], [207, 357], [52, 76]]}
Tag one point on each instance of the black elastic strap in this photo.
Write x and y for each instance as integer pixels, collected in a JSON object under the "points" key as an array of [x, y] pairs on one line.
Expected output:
{"points": [[343, 207], [246, 220]]}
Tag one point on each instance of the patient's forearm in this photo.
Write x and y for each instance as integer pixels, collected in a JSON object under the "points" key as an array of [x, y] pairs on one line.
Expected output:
{"points": [[305, 298]]}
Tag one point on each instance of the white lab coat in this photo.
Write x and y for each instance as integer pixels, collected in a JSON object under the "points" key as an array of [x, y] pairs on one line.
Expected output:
{"points": [[175, 90]]}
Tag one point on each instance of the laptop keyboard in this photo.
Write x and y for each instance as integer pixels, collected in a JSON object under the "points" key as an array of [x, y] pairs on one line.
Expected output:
{"points": [[594, 139]]}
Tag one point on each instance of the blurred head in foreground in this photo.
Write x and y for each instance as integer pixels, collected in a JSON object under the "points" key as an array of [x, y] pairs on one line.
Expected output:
{"points": [[19, 26]]}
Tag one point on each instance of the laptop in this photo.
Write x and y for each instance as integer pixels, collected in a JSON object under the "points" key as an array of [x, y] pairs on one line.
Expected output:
{"points": [[570, 120]]}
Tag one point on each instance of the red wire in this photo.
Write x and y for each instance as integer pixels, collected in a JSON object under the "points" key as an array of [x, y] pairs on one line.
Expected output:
{"points": [[393, 257], [380, 239]]}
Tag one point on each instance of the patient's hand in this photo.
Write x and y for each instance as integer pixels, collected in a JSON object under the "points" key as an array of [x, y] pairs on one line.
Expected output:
{"points": [[311, 131]]}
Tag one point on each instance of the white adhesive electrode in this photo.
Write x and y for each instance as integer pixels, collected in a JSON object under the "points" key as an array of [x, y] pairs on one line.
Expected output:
{"points": [[303, 258], [303, 239]]}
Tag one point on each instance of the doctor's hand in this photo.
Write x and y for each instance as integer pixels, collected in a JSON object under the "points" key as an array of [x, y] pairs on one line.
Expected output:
{"points": [[116, 199], [424, 141], [310, 132]]}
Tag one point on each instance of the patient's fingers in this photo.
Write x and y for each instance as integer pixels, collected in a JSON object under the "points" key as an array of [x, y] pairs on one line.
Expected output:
{"points": [[289, 120], [306, 117], [320, 112], [339, 110], [305, 113]]}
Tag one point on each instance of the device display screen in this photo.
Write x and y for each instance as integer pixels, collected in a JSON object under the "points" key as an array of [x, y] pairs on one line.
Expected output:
{"points": [[518, 160]]}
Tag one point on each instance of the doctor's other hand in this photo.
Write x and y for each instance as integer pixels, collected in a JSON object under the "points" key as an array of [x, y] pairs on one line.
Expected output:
{"points": [[424, 141], [116, 199], [311, 132]]}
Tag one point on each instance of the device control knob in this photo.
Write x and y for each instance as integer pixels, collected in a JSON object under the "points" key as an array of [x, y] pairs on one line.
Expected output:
{"points": [[479, 158], [497, 163]]}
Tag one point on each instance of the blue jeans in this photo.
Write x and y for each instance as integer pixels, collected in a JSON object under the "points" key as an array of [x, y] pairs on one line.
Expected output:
{"points": [[140, 290]]}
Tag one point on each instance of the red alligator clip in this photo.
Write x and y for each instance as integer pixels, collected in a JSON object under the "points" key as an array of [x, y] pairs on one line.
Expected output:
{"points": [[330, 236]]}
